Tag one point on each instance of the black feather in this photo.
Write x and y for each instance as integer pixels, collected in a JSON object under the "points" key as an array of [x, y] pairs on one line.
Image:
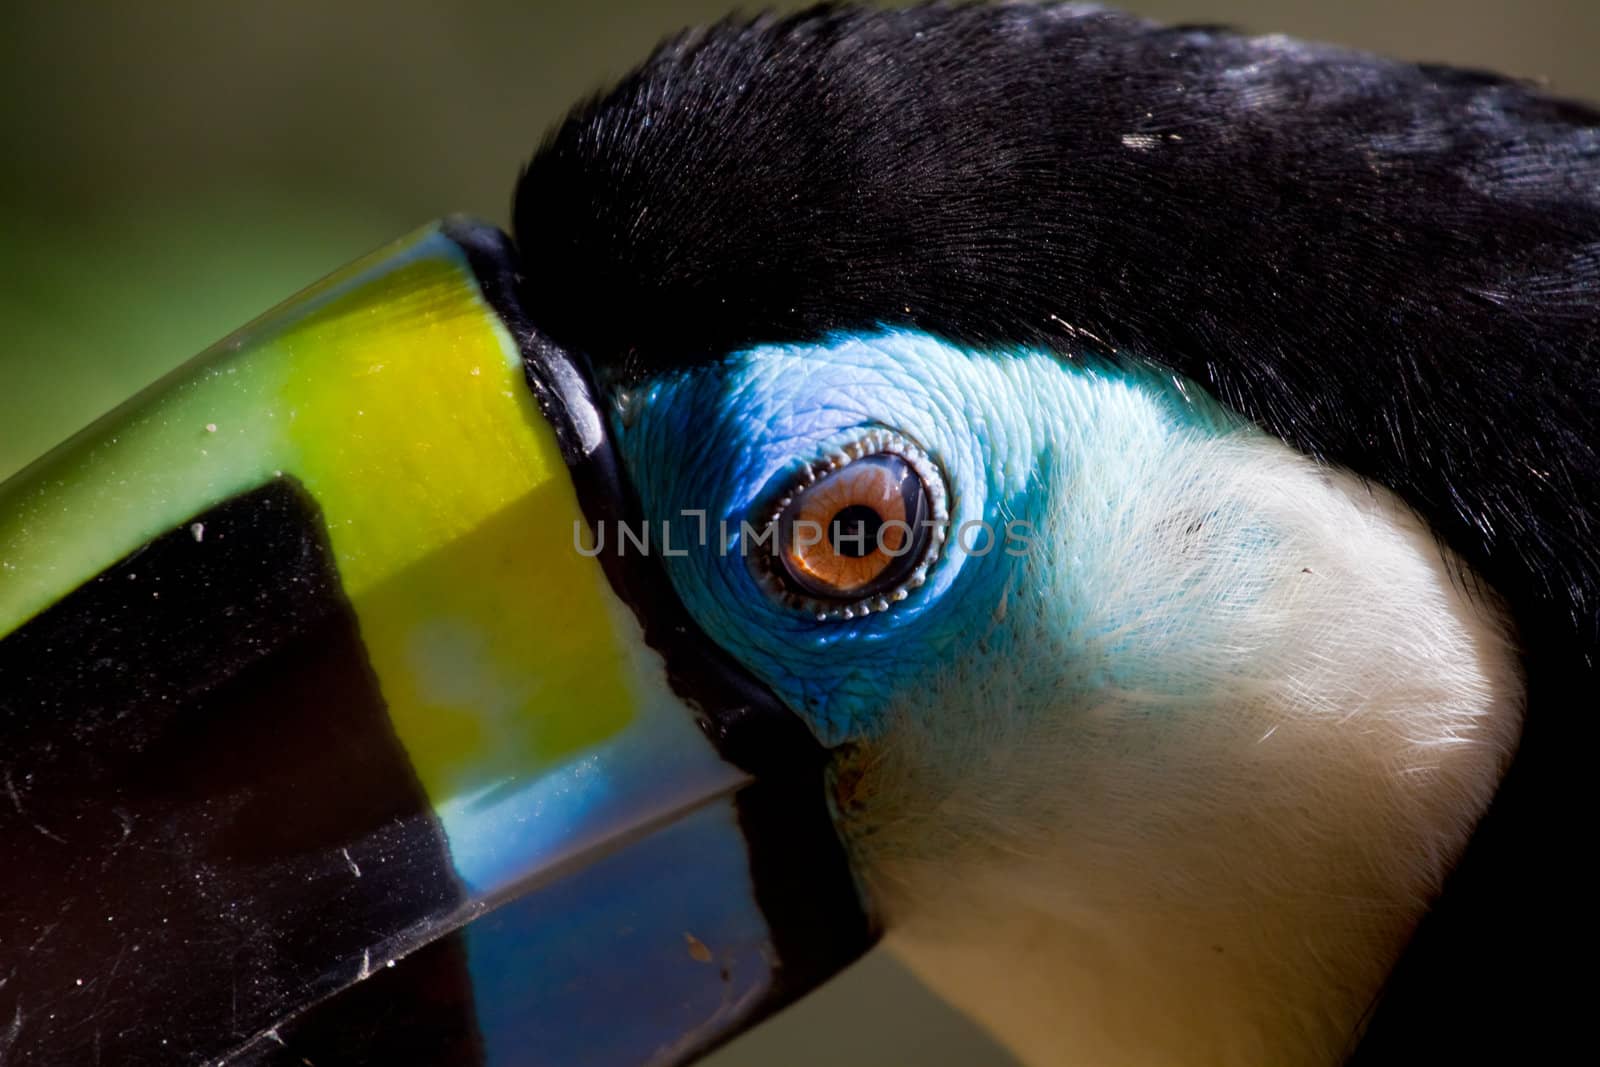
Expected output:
{"points": [[1393, 267]]}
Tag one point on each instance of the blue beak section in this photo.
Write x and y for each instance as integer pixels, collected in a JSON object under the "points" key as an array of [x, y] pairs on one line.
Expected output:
{"points": [[649, 955]]}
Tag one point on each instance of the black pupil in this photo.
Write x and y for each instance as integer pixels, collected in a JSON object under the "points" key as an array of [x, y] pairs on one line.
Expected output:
{"points": [[855, 531]]}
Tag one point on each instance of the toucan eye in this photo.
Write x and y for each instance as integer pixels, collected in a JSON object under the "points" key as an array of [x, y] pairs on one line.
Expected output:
{"points": [[860, 530]]}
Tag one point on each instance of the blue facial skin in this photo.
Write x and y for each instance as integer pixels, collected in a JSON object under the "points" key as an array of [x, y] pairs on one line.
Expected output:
{"points": [[1005, 430]]}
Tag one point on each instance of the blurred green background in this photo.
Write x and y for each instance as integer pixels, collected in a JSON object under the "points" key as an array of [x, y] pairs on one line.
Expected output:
{"points": [[173, 169]]}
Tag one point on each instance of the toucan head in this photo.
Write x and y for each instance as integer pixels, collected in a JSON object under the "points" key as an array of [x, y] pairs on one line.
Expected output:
{"points": [[1108, 507]]}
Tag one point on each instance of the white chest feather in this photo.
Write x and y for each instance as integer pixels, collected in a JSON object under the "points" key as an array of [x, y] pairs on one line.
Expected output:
{"points": [[1199, 820]]}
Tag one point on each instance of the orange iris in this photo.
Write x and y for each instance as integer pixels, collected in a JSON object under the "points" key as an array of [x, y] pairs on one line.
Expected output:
{"points": [[852, 526]]}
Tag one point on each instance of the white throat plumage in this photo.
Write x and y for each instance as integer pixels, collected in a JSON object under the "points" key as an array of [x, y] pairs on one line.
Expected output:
{"points": [[1259, 714]]}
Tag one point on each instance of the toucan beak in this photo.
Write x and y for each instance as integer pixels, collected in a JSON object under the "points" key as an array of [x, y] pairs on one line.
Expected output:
{"points": [[328, 738]]}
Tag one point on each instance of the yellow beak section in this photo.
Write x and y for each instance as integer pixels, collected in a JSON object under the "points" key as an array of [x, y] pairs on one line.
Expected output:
{"points": [[311, 701], [396, 397]]}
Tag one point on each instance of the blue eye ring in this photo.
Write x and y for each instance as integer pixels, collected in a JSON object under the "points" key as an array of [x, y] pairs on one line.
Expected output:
{"points": [[926, 506]]}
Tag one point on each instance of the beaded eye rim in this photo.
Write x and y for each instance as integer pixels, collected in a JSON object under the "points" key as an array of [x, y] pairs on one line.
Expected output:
{"points": [[815, 576]]}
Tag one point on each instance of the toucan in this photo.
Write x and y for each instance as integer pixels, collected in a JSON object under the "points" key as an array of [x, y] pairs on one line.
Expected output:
{"points": [[1111, 508]]}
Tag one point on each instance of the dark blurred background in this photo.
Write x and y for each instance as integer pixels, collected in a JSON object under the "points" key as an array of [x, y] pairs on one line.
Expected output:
{"points": [[173, 169]]}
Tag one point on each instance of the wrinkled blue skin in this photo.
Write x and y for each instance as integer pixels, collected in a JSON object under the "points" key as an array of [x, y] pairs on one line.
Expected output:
{"points": [[732, 437]]}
